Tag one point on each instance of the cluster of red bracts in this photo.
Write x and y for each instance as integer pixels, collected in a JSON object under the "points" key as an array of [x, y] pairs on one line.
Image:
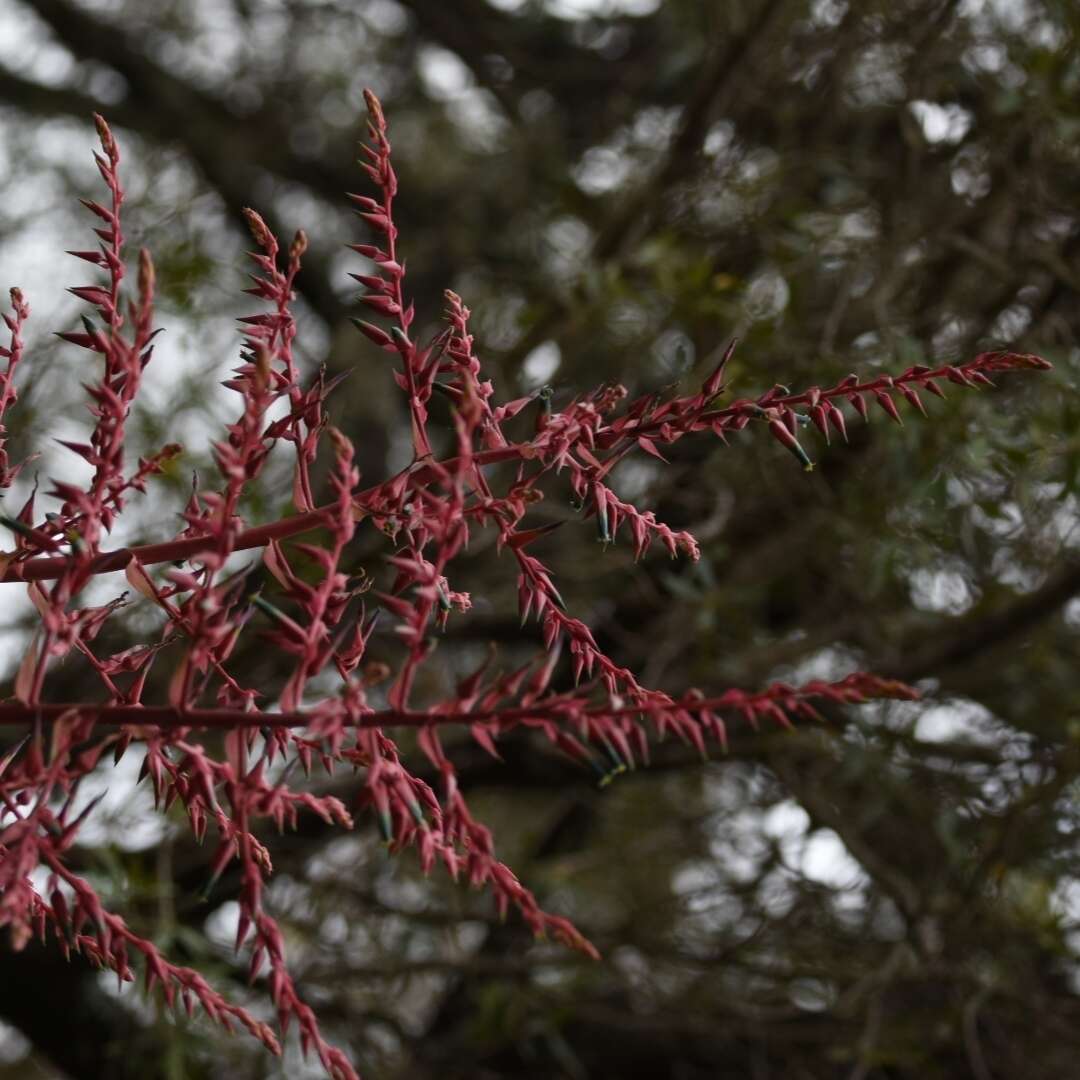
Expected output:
{"points": [[778, 405], [308, 608]]}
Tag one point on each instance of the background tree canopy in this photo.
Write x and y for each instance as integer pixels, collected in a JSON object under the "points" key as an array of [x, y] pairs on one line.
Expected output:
{"points": [[617, 188]]}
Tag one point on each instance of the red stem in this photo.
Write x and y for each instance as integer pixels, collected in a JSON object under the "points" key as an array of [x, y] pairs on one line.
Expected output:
{"points": [[176, 550], [167, 717], [44, 568]]}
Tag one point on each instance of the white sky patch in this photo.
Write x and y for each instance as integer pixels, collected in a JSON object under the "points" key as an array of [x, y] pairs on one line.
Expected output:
{"points": [[606, 168], [743, 838], [813, 995], [27, 49], [1072, 613], [222, 924], [635, 478], [673, 352], [876, 77], [941, 590], [718, 208], [987, 56], [17, 606], [385, 17], [825, 859], [719, 138], [757, 165], [444, 75], [1065, 903], [970, 176], [603, 9], [737, 844], [32, 258], [1012, 14], [654, 127], [628, 322], [216, 46], [787, 823], [1005, 567], [766, 295], [602, 169], [566, 240], [828, 12], [775, 894], [819, 855], [957, 720], [476, 114], [1065, 899], [947, 123], [538, 367], [829, 663], [1064, 527], [125, 816], [694, 877], [473, 110], [13, 1045], [1006, 524]]}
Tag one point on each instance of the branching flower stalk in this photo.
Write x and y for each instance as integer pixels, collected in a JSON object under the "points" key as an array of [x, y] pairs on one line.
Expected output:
{"points": [[320, 620]]}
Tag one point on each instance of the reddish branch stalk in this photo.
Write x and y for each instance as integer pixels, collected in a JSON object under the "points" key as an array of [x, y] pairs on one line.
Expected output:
{"points": [[43, 569], [166, 717]]}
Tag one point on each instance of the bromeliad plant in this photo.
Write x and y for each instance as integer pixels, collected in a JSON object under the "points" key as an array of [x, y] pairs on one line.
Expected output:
{"points": [[597, 712]]}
